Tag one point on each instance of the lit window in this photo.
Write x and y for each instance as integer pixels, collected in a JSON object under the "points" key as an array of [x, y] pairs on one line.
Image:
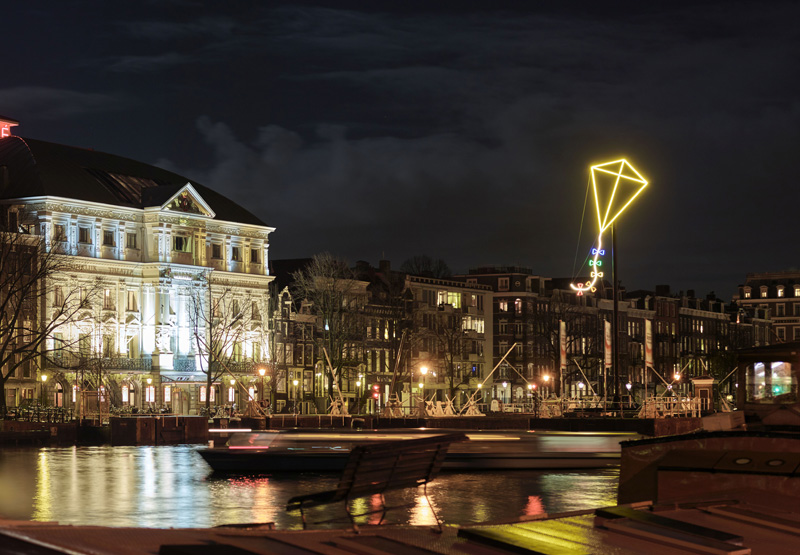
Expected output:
{"points": [[213, 394], [108, 300], [167, 394], [251, 392], [202, 394], [503, 305], [797, 290], [780, 291], [150, 394], [231, 394], [130, 240], [74, 393], [125, 394], [518, 306], [747, 294], [108, 238], [763, 293], [180, 243]]}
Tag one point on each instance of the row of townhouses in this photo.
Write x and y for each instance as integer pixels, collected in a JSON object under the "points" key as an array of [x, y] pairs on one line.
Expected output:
{"points": [[157, 293]]}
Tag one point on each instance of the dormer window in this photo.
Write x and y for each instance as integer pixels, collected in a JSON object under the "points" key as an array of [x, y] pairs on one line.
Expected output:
{"points": [[763, 292], [746, 292], [780, 291], [797, 290]]}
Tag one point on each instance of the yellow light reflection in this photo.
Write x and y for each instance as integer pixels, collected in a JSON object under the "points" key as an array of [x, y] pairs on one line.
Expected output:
{"points": [[615, 185], [43, 509]]}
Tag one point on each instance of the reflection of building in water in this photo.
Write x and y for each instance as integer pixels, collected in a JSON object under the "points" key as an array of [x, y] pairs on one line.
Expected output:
{"points": [[155, 252]]}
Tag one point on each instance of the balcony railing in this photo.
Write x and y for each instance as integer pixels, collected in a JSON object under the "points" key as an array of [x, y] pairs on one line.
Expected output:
{"points": [[125, 364], [184, 364]]}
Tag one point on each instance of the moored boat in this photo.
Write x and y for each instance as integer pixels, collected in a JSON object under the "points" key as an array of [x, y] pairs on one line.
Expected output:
{"points": [[321, 451]]}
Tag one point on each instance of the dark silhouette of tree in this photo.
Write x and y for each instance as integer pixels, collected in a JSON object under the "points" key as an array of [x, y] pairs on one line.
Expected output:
{"points": [[33, 305], [425, 266]]}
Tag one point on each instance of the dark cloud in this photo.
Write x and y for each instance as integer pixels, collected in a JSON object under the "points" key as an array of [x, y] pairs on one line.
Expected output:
{"points": [[57, 104], [144, 64], [464, 131]]}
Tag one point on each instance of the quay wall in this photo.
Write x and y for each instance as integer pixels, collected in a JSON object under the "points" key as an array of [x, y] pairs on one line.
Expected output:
{"points": [[172, 430]]}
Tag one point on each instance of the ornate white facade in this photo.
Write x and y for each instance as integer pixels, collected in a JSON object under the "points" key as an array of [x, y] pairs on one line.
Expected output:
{"points": [[150, 259]]}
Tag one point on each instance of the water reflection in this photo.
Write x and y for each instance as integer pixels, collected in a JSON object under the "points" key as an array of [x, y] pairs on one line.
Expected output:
{"points": [[171, 486]]}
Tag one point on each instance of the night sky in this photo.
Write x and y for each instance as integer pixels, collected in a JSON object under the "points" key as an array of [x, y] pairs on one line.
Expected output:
{"points": [[462, 130]]}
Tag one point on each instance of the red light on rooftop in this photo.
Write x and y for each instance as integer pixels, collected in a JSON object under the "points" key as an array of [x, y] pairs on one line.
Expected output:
{"points": [[5, 126]]}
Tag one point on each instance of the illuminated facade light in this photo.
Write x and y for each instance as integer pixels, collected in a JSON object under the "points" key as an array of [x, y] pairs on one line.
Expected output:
{"points": [[615, 185]]}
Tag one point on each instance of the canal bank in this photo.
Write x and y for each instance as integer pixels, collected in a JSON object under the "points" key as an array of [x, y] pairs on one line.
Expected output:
{"points": [[175, 430]]}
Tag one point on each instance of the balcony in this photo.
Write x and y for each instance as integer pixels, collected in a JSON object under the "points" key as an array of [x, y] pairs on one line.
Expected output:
{"points": [[117, 364]]}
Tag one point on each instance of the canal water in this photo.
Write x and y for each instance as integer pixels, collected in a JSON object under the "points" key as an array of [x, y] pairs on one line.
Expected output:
{"points": [[171, 486]]}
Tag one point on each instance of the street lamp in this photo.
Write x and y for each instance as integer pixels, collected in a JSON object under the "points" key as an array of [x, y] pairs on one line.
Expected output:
{"points": [[41, 391], [262, 371], [294, 383]]}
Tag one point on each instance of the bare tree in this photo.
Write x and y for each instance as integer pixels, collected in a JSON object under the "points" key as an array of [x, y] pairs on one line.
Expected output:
{"points": [[424, 265], [221, 320], [447, 331], [337, 298], [582, 334], [33, 306]]}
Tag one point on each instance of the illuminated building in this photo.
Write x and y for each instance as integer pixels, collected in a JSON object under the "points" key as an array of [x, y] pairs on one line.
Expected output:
{"points": [[441, 325], [778, 293], [157, 242]]}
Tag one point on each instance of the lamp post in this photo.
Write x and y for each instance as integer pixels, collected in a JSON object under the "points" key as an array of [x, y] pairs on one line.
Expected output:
{"points": [[294, 383], [424, 372], [358, 393], [42, 397], [262, 371]]}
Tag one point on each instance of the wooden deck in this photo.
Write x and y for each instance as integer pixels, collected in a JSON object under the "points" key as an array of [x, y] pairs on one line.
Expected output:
{"points": [[730, 528]]}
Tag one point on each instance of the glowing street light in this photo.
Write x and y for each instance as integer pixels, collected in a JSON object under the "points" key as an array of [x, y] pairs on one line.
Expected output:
{"points": [[262, 371], [41, 390]]}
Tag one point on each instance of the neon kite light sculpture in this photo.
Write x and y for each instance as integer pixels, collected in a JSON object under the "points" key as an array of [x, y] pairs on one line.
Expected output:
{"points": [[616, 184]]}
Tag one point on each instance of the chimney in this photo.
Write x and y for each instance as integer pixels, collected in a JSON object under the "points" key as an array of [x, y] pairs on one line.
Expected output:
{"points": [[384, 266], [5, 126]]}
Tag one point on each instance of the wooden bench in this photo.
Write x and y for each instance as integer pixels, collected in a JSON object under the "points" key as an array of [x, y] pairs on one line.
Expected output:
{"points": [[376, 468]]}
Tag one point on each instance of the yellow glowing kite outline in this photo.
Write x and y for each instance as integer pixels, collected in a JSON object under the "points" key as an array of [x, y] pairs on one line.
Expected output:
{"points": [[617, 169]]}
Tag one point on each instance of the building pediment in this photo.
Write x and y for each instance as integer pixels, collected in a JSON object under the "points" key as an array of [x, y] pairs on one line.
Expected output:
{"points": [[188, 201]]}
